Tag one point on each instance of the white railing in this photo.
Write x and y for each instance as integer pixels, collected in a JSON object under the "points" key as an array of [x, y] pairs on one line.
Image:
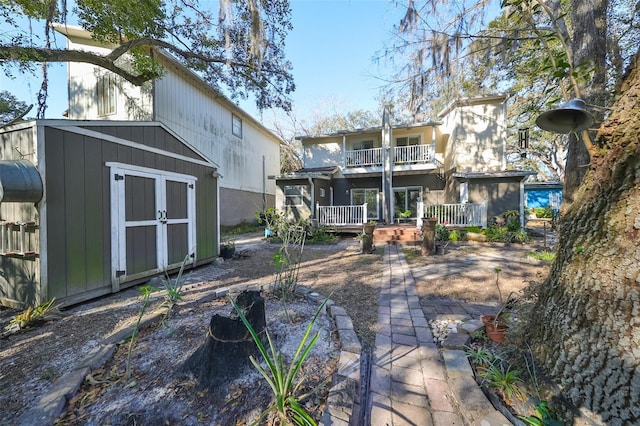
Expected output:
{"points": [[364, 157], [413, 154], [341, 215], [466, 214]]}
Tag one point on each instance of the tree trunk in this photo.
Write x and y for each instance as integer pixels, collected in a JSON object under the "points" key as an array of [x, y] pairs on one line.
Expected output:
{"points": [[589, 46], [228, 345], [585, 331]]}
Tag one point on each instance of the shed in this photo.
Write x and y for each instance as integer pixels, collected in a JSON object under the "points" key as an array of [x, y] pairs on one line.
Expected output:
{"points": [[97, 206]]}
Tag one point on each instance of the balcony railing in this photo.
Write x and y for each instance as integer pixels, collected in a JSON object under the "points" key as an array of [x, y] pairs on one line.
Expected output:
{"points": [[413, 154], [364, 157], [341, 215]]}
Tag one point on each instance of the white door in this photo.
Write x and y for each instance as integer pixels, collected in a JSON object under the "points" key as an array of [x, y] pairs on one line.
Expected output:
{"points": [[152, 221]]}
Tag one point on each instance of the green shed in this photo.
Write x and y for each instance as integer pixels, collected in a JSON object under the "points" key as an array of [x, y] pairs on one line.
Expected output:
{"points": [[91, 207]]}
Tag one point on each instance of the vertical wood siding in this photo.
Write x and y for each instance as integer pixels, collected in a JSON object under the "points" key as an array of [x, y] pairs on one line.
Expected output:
{"points": [[78, 201]]}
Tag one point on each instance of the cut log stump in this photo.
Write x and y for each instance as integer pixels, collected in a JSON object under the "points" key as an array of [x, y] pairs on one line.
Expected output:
{"points": [[225, 353]]}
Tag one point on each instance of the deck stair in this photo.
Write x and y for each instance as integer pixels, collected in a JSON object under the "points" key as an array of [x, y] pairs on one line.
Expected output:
{"points": [[396, 234]]}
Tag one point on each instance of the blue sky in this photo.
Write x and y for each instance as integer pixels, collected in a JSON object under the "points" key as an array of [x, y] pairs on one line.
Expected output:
{"points": [[331, 48]]}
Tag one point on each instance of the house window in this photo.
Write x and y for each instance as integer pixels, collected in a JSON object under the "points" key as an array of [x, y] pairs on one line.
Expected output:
{"points": [[369, 196], [321, 192], [294, 195], [106, 93], [408, 141], [236, 125], [362, 145]]}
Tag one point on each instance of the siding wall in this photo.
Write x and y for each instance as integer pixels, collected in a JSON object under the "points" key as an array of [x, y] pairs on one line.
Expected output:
{"points": [[78, 203], [244, 163], [199, 115], [501, 195], [477, 137], [19, 277], [132, 102], [327, 153]]}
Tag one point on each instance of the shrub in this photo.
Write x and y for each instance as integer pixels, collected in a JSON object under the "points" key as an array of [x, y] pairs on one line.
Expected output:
{"points": [[544, 212], [442, 233]]}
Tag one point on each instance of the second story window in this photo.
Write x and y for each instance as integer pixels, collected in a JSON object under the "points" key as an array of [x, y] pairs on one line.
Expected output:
{"points": [[236, 126], [408, 141], [363, 145], [106, 94]]}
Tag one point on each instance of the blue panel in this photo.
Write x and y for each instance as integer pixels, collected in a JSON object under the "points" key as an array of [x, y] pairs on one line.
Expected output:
{"points": [[540, 197]]}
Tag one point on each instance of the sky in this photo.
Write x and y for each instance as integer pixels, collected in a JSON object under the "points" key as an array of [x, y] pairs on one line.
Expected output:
{"points": [[331, 48]]}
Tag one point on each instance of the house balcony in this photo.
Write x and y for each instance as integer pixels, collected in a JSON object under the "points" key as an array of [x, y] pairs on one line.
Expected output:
{"points": [[405, 158]]}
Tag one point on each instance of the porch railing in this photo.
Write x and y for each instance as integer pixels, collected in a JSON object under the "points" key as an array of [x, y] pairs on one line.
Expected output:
{"points": [[413, 154], [466, 214], [364, 157], [341, 215]]}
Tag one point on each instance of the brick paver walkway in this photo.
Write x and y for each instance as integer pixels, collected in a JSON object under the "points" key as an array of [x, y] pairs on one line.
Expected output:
{"points": [[408, 384]]}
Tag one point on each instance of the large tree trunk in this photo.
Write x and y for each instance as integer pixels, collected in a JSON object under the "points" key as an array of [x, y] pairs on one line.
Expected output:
{"points": [[586, 331], [589, 46]]}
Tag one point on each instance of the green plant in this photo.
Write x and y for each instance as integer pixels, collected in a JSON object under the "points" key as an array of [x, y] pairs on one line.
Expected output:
{"points": [[542, 416], [480, 335], [33, 315], [287, 260], [442, 233], [545, 256], [405, 214], [145, 291], [281, 379], [544, 212], [319, 234], [173, 286], [228, 243], [271, 219], [505, 381], [243, 227], [455, 236], [473, 229], [481, 356]]}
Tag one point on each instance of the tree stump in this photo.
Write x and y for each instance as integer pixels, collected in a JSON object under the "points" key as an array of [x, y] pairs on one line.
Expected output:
{"points": [[428, 246], [228, 345]]}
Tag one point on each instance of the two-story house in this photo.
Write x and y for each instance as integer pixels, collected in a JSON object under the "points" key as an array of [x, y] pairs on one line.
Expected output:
{"points": [[453, 168], [243, 149]]}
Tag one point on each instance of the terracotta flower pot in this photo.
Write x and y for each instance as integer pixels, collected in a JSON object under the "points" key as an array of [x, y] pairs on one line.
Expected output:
{"points": [[494, 330]]}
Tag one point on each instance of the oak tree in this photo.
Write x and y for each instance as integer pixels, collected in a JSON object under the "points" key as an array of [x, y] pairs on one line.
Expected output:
{"points": [[238, 47]]}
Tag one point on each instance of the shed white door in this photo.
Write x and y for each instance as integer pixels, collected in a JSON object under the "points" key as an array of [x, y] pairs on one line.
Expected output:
{"points": [[152, 222]]}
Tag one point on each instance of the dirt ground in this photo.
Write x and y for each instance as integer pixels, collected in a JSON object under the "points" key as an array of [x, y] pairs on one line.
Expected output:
{"points": [[32, 360]]}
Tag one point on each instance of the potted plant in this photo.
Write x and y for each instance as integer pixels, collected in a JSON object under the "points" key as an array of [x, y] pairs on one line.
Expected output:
{"points": [[369, 227], [227, 249], [404, 215], [496, 325]]}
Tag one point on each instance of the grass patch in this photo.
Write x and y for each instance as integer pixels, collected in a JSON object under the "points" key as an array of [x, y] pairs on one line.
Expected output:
{"points": [[544, 256], [241, 228]]}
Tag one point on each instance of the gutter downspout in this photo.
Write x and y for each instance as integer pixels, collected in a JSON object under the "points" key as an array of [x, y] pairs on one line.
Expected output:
{"points": [[344, 152], [313, 197], [264, 185]]}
